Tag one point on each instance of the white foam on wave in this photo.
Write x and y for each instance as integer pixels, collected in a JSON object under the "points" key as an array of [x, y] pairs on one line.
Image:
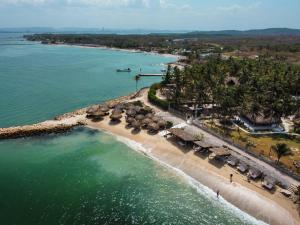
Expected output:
{"points": [[201, 189]]}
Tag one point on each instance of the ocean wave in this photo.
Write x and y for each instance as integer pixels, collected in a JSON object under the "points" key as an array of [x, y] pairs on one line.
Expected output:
{"points": [[201, 189]]}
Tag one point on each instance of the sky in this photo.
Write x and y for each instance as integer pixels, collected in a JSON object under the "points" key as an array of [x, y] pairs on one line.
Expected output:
{"points": [[151, 14]]}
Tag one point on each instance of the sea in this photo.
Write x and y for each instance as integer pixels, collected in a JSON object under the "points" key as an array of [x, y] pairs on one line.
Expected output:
{"points": [[87, 177]]}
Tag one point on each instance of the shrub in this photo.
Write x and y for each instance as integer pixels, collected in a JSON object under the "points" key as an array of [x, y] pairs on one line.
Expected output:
{"points": [[154, 99], [169, 125]]}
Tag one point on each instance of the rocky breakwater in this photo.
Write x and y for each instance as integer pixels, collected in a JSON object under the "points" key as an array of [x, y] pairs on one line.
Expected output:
{"points": [[61, 125]]}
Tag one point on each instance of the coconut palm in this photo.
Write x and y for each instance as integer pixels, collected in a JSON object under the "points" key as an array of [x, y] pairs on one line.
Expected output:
{"points": [[137, 78], [281, 149]]}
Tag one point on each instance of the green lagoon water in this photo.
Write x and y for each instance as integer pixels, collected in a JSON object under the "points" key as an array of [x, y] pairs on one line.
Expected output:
{"points": [[85, 177]]}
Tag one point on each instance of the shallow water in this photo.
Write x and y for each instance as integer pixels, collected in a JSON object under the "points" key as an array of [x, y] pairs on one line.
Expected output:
{"points": [[88, 177], [85, 177], [39, 82]]}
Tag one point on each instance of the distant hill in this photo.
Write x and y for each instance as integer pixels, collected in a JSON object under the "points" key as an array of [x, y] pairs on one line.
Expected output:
{"points": [[257, 32], [179, 33]]}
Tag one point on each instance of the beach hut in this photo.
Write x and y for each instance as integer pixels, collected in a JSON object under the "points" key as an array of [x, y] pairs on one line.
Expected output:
{"points": [[232, 161], [201, 146], [254, 173], [184, 136], [269, 182], [242, 167], [219, 153]]}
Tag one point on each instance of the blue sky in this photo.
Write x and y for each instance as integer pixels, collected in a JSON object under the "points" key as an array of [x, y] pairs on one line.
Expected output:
{"points": [[151, 14]]}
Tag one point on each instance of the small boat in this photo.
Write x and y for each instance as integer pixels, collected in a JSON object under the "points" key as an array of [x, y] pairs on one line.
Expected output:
{"points": [[128, 70]]}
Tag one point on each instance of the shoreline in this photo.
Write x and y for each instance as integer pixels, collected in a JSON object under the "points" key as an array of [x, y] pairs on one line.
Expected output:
{"points": [[177, 57], [250, 199]]}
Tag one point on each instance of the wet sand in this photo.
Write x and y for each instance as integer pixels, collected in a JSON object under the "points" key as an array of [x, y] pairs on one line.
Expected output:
{"points": [[272, 208]]}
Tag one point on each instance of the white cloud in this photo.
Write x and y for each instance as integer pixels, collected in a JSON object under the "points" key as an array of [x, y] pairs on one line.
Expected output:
{"points": [[237, 7]]}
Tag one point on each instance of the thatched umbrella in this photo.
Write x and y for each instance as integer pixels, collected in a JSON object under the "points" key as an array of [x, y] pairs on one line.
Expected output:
{"points": [[138, 109], [149, 115], [153, 126], [130, 112], [162, 123], [136, 124], [120, 107], [92, 109], [116, 116], [146, 121], [139, 117], [116, 111], [130, 120], [156, 119], [104, 108]]}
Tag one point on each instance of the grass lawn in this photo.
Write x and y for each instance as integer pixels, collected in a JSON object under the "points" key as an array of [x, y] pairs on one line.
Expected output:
{"points": [[261, 144]]}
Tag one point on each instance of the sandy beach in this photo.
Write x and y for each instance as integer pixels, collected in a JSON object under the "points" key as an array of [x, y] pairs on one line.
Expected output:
{"points": [[272, 208]]}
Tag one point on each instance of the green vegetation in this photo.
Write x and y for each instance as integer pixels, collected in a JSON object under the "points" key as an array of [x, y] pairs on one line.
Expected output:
{"points": [[281, 149], [154, 99], [258, 88], [193, 45]]}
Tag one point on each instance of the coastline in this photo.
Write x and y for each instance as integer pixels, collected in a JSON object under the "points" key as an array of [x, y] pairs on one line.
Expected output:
{"points": [[177, 57], [249, 198]]}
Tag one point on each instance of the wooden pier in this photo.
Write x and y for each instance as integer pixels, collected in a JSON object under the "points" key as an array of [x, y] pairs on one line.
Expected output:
{"points": [[150, 75]]}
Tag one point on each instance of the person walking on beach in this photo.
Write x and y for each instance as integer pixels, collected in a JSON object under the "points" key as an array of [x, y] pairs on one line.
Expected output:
{"points": [[231, 175], [218, 193]]}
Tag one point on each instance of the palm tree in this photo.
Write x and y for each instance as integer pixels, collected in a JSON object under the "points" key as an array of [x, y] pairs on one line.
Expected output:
{"points": [[137, 78], [281, 149]]}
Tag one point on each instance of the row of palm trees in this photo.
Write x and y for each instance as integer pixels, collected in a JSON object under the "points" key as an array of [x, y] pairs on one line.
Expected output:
{"points": [[260, 87]]}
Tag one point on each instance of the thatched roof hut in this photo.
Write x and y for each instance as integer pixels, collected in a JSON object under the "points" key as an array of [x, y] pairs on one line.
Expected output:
{"points": [[232, 161], [254, 173], [182, 134], [269, 182], [242, 167], [220, 152]]}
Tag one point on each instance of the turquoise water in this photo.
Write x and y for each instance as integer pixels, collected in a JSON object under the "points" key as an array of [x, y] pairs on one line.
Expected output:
{"points": [[39, 82], [86, 177]]}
